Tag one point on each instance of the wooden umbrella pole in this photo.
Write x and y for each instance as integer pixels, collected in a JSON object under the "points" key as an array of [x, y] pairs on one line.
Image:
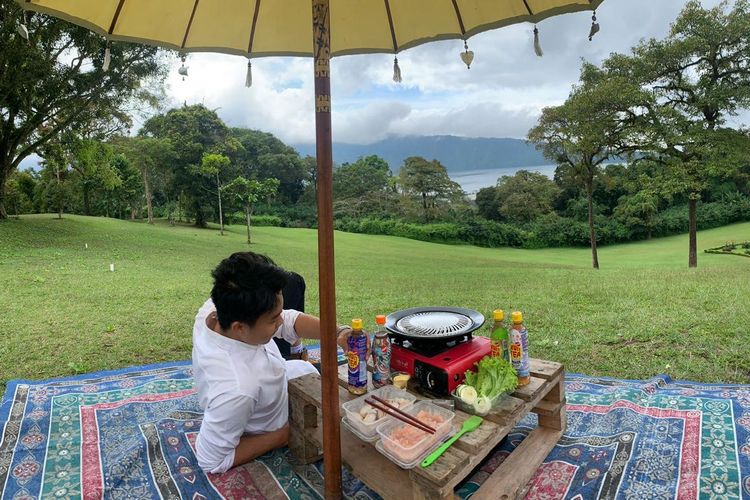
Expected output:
{"points": [[327, 284]]}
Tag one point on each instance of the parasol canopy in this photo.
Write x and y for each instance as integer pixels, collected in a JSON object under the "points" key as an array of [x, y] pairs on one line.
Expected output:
{"points": [[321, 29], [258, 28]]}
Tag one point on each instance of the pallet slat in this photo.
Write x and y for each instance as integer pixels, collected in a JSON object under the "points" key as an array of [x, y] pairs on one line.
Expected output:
{"points": [[509, 480]]}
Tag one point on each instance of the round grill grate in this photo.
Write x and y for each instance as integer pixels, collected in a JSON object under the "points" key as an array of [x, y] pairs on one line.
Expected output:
{"points": [[434, 322]]}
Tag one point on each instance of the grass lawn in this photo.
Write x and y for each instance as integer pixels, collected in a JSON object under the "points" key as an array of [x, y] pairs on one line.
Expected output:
{"points": [[643, 313]]}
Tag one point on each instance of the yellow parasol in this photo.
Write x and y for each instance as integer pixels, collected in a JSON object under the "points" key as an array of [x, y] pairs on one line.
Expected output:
{"points": [[321, 29]]}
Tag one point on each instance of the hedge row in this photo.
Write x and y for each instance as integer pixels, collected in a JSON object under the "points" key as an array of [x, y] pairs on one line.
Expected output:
{"points": [[551, 230]]}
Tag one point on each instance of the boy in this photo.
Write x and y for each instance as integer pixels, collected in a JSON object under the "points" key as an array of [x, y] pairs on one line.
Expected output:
{"points": [[240, 376]]}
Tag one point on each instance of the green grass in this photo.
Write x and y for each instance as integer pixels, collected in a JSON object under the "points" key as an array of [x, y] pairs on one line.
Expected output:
{"points": [[642, 314]]}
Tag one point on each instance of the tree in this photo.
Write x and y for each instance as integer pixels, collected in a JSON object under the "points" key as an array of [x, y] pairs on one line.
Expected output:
{"points": [[192, 131], [212, 165], [55, 81], [524, 196], [129, 194], [248, 192], [91, 162], [429, 180], [583, 133], [153, 158], [692, 81], [639, 211], [362, 187]]}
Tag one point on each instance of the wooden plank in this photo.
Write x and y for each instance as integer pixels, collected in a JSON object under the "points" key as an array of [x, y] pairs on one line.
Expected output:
{"points": [[557, 421], [547, 408], [530, 390], [507, 409], [557, 393], [376, 471], [509, 480], [442, 470], [544, 369], [307, 388], [475, 441]]}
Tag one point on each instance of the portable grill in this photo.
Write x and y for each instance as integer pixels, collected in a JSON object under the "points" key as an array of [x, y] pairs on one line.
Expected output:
{"points": [[435, 345]]}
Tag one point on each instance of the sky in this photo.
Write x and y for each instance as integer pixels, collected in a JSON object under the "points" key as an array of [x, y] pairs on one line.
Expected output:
{"points": [[500, 96]]}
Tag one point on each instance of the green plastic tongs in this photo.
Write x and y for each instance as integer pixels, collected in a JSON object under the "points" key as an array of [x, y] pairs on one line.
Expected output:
{"points": [[470, 424]]}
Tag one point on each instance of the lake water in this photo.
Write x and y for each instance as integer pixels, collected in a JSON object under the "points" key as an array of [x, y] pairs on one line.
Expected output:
{"points": [[473, 181]]}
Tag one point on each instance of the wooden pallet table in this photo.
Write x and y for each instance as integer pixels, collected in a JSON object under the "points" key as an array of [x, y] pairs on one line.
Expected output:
{"points": [[545, 396]]}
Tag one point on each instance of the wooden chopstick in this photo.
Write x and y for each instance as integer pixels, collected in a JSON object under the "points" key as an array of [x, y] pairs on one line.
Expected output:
{"points": [[401, 415], [414, 423]]}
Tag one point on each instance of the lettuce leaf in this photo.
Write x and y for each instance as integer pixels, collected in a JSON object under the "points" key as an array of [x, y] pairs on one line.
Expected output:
{"points": [[493, 376]]}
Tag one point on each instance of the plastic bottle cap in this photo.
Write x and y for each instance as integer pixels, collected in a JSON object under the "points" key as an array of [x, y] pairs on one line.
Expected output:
{"points": [[498, 314], [357, 324], [380, 319], [517, 317]]}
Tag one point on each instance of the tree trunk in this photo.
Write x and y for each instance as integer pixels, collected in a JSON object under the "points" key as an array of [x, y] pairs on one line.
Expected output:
{"points": [[247, 213], [221, 217], [149, 197], [693, 227], [592, 230], [86, 199], [59, 194], [4, 174]]}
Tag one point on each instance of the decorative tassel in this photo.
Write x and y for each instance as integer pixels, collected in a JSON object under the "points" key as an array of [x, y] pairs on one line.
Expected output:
{"points": [[396, 71], [22, 28], [537, 45], [183, 69], [594, 27], [249, 75], [467, 55], [107, 57]]}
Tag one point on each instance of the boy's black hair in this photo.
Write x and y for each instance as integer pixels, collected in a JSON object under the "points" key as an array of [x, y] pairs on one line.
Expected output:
{"points": [[246, 285]]}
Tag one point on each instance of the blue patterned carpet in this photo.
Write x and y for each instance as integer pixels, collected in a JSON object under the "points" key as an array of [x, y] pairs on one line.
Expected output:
{"points": [[131, 434]]}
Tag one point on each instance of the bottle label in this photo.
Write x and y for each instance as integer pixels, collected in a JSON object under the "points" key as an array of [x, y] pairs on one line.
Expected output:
{"points": [[381, 359], [496, 349], [357, 361], [519, 351]]}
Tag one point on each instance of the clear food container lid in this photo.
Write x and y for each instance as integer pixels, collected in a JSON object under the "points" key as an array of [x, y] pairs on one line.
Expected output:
{"points": [[387, 392], [386, 428]]}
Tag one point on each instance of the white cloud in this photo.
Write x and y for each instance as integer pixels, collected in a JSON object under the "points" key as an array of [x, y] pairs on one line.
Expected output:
{"points": [[500, 96]]}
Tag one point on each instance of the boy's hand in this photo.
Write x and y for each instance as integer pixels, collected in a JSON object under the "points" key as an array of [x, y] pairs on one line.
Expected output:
{"points": [[343, 337]]}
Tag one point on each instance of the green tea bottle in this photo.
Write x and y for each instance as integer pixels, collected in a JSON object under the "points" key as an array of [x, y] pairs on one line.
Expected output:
{"points": [[499, 336]]}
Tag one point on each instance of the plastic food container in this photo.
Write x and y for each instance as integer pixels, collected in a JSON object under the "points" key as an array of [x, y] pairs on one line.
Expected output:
{"points": [[401, 453], [367, 430], [470, 409]]}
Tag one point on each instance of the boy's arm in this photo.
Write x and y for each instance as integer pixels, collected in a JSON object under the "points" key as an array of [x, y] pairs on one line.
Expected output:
{"points": [[251, 447], [308, 327]]}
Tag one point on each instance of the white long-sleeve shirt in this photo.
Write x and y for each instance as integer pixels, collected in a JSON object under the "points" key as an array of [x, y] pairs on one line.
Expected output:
{"points": [[241, 388]]}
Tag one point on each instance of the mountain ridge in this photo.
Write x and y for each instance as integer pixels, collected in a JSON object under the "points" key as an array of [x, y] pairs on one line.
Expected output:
{"points": [[457, 154]]}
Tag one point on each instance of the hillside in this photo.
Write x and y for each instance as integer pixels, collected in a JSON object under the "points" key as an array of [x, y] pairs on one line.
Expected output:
{"points": [[643, 313], [458, 154]]}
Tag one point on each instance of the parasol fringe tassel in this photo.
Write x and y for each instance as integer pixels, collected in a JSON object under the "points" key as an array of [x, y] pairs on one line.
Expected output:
{"points": [[467, 56], [107, 57], [594, 27], [537, 44], [249, 75], [396, 71], [23, 31], [22, 28]]}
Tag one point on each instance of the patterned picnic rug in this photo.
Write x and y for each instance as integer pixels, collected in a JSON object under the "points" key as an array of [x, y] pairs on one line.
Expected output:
{"points": [[131, 434]]}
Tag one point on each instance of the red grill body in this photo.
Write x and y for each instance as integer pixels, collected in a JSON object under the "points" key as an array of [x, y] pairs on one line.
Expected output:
{"points": [[440, 372]]}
